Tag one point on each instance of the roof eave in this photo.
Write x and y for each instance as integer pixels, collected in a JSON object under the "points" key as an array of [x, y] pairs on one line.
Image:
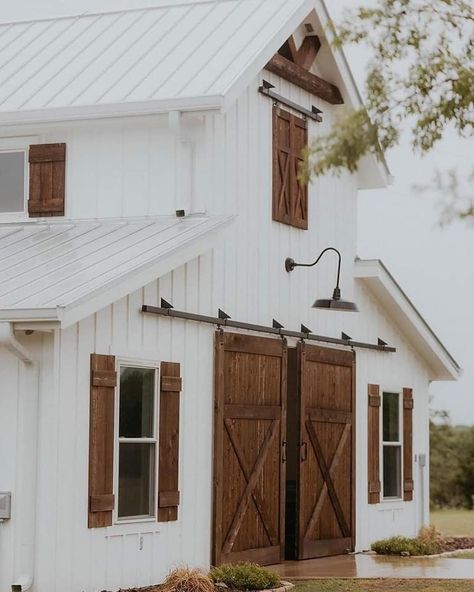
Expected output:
{"points": [[36, 315], [387, 290], [111, 110]]}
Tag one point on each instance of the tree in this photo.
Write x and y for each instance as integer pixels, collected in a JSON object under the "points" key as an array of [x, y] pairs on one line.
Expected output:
{"points": [[451, 463], [421, 76]]}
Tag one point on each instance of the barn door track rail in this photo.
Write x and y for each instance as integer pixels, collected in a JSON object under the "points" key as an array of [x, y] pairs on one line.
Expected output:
{"points": [[266, 89], [223, 320]]}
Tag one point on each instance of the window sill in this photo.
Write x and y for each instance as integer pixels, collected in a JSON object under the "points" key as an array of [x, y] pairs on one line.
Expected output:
{"points": [[144, 526], [391, 504]]}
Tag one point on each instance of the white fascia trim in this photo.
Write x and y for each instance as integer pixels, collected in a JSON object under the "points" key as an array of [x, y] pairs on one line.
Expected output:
{"points": [[378, 279], [351, 86], [144, 274], [87, 112], [30, 314]]}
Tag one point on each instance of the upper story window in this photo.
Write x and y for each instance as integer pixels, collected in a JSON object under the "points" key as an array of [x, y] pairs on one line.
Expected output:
{"points": [[137, 442], [32, 179], [290, 196], [391, 446], [12, 182]]}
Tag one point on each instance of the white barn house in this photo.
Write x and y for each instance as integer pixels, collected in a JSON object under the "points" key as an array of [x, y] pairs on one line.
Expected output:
{"points": [[152, 154]]}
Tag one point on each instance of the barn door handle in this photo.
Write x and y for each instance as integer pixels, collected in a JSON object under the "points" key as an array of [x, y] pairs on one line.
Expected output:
{"points": [[283, 451], [304, 451]]}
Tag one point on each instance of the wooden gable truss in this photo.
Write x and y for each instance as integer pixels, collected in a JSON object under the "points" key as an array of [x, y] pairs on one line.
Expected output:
{"points": [[294, 65]]}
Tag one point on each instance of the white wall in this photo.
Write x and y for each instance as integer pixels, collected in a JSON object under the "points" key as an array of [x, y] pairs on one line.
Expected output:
{"points": [[119, 169], [392, 372], [21, 387], [71, 556]]}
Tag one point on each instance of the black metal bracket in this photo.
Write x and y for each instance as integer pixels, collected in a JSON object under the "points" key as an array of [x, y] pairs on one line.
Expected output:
{"points": [[314, 114]]}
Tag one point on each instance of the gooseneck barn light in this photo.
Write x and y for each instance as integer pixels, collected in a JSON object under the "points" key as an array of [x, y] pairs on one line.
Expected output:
{"points": [[334, 303]]}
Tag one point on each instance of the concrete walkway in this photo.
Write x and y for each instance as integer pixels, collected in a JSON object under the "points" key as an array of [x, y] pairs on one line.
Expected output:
{"points": [[373, 566]]}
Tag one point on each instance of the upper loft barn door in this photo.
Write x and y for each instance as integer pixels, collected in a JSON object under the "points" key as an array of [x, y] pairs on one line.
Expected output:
{"points": [[326, 467], [249, 449]]}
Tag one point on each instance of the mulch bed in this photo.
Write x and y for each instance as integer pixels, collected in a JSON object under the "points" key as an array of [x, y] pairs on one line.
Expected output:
{"points": [[146, 589], [456, 543]]}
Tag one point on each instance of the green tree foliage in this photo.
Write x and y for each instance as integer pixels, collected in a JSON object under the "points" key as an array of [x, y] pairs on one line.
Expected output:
{"points": [[451, 463], [421, 77]]}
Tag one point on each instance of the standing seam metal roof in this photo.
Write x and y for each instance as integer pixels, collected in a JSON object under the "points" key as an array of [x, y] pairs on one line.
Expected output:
{"points": [[174, 51], [49, 265]]}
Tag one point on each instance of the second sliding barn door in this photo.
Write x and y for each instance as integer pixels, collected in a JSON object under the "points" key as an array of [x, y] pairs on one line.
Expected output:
{"points": [[326, 469]]}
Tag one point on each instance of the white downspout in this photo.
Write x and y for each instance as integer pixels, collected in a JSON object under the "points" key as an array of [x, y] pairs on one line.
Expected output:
{"points": [[10, 342], [27, 444]]}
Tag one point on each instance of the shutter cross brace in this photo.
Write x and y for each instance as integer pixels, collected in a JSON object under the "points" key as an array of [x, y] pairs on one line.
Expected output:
{"points": [[266, 89], [228, 322]]}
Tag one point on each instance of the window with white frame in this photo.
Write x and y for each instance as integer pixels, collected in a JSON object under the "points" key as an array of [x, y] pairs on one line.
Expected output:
{"points": [[391, 446], [137, 442], [13, 168]]}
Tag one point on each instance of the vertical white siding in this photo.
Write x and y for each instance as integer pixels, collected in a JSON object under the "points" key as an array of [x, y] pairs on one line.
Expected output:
{"points": [[71, 556], [22, 385], [131, 168]]}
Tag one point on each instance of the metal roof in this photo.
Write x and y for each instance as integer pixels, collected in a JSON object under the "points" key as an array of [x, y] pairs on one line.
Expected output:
{"points": [[189, 52], [49, 266]]}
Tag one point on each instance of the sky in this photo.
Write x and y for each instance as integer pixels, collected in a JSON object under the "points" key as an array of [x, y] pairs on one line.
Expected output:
{"points": [[399, 225]]}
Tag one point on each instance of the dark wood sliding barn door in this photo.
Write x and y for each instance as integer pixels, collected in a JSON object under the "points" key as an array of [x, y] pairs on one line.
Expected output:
{"points": [[326, 467], [249, 449]]}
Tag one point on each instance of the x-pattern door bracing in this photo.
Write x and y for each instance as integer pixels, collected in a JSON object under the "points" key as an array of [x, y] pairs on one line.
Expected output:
{"points": [[326, 468], [249, 468]]}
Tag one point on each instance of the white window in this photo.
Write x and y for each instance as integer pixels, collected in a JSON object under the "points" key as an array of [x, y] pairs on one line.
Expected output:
{"points": [[13, 181], [136, 442], [391, 446]]}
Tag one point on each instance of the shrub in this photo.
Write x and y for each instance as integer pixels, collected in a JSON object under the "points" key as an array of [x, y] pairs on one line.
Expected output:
{"points": [[187, 580], [245, 576], [399, 545]]}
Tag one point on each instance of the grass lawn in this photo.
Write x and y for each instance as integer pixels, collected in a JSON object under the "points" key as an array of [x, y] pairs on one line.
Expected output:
{"points": [[467, 555], [385, 585], [453, 522]]}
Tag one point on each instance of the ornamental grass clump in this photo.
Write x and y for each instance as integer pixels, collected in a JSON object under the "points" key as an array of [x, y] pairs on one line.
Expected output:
{"points": [[185, 579], [245, 576], [399, 545]]}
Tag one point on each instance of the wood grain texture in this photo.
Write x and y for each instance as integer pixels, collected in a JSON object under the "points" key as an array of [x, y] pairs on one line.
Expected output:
{"points": [[408, 483], [305, 55], [373, 444], [101, 442], [304, 79], [249, 474], [290, 196], [168, 469], [47, 180], [326, 478]]}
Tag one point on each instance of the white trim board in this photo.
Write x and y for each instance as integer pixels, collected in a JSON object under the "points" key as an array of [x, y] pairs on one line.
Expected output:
{"points": [[381, 283]]}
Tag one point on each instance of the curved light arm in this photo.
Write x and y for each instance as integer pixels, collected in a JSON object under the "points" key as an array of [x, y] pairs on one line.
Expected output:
{"points": [[290, 263]]}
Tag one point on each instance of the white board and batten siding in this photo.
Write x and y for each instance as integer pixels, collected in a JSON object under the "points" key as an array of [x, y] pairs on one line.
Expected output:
{"points": [[245, 276]]}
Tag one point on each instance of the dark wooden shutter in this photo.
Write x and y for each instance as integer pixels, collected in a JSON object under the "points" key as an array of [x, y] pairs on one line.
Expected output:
{"points": [[407, 444], [168, 478], [373, 439], [101, 440], [290, 197], [47, 179]]}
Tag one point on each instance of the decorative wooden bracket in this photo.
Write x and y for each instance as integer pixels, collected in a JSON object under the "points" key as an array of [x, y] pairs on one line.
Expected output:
{"points": [[293, 65], [305, 55]]}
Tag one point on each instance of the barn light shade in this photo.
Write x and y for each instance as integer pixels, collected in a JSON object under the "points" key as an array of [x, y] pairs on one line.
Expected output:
{"points": [[334, 303]]}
